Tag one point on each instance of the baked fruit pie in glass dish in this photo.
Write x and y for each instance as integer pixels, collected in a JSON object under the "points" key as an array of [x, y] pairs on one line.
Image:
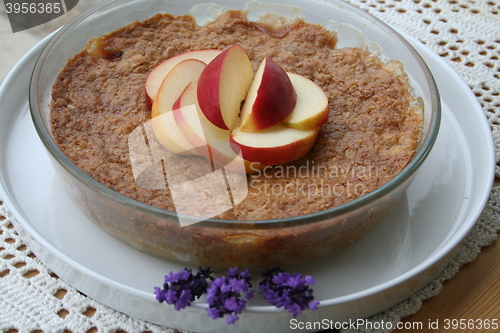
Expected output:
{"points": [[235, 133]]}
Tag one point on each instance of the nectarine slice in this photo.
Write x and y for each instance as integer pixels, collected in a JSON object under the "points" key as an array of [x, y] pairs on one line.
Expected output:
{"points": [[209, 140], [175, 82], [275, 145], [158, 74], [223, 86], [311, 109], [270, 100]]}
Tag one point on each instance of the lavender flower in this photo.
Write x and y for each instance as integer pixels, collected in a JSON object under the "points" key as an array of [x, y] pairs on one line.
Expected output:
{"points": [[290, 291], [228, 295], [181, 288], [224, 296]]}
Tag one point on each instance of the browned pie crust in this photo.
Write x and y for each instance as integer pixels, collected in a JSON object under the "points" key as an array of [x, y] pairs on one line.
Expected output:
{"points": [[372, 132]]}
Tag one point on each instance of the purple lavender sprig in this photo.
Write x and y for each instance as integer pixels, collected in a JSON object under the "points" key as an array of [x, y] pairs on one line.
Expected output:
{"points": [[181, 288], [290, 291], [224, 296]]}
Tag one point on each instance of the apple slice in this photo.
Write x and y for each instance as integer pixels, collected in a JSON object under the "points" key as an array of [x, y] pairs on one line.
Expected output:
{"points": [[165, 128], [170, 136], [270, 100], [311, 109], [197, 129], [158, 74], [276, 145], [175, 82], [209, 140], [223, 86]]}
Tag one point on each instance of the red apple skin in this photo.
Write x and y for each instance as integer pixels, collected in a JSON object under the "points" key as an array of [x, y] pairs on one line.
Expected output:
{"points": [[274, 101], [223, 85], [208, 94], [323, 120], [278, 154], [149, 101]]}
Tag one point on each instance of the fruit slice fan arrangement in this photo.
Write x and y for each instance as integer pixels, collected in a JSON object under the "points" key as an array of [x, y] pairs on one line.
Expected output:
{"points": [[209, 103]]}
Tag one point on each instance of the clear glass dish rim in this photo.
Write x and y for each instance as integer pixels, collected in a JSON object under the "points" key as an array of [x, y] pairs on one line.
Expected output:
{"points": [[407, 172]]}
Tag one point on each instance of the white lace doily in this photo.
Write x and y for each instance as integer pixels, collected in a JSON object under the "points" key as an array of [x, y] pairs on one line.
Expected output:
{"points": [[466, 33]]}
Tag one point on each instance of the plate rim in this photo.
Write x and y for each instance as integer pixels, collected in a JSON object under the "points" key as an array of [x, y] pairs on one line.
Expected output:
{"points": [[31, 235]]}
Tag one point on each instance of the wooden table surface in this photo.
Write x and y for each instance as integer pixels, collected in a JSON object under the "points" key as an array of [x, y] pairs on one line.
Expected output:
{"points": [[472, 294]]}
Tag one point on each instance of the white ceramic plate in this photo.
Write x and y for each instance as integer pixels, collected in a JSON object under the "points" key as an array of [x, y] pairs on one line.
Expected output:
{"points": [[399, 257]]}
